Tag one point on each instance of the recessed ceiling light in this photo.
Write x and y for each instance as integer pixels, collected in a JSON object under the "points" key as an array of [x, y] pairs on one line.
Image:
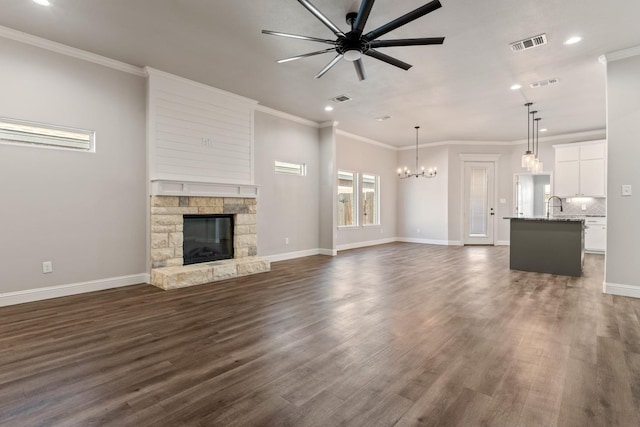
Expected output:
{"points": [[542, 130], [382, 118], [516, 86], [573, 40], [42, 2], [328, 108]]}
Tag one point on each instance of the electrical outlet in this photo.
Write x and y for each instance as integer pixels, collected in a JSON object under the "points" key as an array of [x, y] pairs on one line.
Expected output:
{"points": [[381, 230], [47, 267], [418, 230], [286, 240], [584, 207], [626, 190]]}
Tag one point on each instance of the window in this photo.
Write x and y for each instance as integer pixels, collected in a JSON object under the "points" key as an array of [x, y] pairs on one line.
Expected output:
{"points": [[347, 201], [370, 199], [290, 168], [43, 135]]}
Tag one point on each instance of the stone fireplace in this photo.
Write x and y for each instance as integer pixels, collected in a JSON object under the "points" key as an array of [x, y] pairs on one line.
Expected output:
{"points": [[167, 225]]}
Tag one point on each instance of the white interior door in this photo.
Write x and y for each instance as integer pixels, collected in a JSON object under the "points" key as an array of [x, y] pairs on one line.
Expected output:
{"points": [[479, 210]]}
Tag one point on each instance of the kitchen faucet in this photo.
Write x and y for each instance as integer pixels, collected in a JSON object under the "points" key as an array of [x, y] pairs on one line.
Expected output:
{"points": [[549, 205]]}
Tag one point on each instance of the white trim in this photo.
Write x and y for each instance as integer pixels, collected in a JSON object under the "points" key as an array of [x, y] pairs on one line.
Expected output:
{"points": [[161, 187], [621, 290], [503, 243], [200, 86], [287, 116], [332, 124], [622, 54], [479, 157], [365, 244], [328, 252], [39, 294], [73, 52], [428, 241], [580, 144], [367, 140], [586, 136], [453, 142], [292, 255]]}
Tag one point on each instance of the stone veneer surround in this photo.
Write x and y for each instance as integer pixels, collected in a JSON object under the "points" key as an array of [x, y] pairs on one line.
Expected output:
{"points": [[167, 269]]}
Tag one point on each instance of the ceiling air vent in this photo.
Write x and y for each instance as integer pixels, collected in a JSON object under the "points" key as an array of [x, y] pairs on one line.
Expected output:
{"points": [[529, 43], [541, 83], [341, 98]]}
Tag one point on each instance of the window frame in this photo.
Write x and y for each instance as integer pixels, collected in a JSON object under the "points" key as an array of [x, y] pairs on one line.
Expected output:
{"points": [[377, 207], [356, 198], [289, 168], [47, 138]]}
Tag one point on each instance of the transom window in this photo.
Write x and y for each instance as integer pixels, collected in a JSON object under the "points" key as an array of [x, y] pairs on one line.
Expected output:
{"points": [[20, 132]]}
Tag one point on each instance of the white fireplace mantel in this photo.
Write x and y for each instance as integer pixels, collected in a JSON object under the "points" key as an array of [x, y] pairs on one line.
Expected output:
{"points": [[202, 189]]}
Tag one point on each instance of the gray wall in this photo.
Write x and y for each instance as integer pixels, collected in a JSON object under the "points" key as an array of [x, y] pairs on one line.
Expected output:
{"points": [[362, 157], [623, 126], [288, 206], [423, 203], [327, 190], [85, 212]]}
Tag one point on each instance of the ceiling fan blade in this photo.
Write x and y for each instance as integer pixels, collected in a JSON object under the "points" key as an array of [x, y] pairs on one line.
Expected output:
{"points": [[326, 21], [333, 62], [388, 59], [305, 55], [360, 69], [363, 15], [407, 42], [404, 19], [295, 36]]}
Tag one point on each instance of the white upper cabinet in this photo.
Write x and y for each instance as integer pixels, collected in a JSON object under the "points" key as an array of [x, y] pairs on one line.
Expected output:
{"points": [[580, 169]]}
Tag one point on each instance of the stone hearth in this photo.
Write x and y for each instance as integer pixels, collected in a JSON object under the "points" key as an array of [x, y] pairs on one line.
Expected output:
{"points": [[167, 269]]}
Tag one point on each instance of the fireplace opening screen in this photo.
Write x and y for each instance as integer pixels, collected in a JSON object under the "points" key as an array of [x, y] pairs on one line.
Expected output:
{"points": [[207, 238]]}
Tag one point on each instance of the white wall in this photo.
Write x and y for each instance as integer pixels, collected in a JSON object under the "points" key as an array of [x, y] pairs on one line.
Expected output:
{"points": [[288, 206], [623, 126], [84, 212], [362, 157], [422, 202]]}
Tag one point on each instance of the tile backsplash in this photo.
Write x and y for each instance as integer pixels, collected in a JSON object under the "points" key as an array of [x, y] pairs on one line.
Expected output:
{"points": [[594, 206]]}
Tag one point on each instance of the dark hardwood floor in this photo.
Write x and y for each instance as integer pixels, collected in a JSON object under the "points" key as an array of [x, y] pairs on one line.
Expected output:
{"points": [[399, 334]]}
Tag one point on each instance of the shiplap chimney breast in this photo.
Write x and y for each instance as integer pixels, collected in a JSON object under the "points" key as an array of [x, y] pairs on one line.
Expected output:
{"points": [[197, 133]]}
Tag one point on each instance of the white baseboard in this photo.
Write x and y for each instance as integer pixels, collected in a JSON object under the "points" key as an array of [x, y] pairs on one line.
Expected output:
{"points": [[621, 290], [367, 243], [429, 241], [503, 243], [328, 252], [30, 295], [292, 255]]}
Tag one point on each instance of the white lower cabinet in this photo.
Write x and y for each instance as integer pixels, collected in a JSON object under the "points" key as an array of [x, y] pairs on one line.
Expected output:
{"points": [[595, 235]]}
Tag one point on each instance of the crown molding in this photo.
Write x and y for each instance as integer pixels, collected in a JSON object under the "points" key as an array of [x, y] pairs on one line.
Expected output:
{"points": [[453, 142], [622, 54], [287, 116], [73, 52], [329, 124], [585, 136], [366, 140]]}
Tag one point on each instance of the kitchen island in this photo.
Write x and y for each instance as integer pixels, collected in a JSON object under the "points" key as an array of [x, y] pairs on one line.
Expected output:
{"points": [[547, 245]]}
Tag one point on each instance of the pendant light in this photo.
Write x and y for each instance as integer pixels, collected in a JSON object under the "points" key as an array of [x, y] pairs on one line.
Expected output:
{"points": [[527, 157], [406, 172], [537, 164]]}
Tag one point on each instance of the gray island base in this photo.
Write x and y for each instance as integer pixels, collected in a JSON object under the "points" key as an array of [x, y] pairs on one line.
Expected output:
{"points": [[554, 245]]}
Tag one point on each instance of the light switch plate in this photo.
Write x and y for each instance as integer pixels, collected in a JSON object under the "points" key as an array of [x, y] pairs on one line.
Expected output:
{"points": [[626, 190], [503, 201]]}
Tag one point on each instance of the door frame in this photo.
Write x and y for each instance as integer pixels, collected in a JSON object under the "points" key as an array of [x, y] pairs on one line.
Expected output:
{"points": [[472, 158]]}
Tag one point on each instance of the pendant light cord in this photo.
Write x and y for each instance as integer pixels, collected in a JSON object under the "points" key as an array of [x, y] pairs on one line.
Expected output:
{"points": [[417, 127]]}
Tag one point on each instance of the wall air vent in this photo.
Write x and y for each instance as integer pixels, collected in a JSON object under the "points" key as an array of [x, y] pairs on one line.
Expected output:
{"points": [[542, 83], [341, 98], [529, 43]]}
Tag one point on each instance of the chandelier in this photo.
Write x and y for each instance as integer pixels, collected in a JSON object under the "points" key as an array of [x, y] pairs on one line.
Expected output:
{"points": [[406, 172]]}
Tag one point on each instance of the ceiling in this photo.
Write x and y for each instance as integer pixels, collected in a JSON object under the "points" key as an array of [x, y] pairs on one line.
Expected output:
{"points": [[457, 91]]}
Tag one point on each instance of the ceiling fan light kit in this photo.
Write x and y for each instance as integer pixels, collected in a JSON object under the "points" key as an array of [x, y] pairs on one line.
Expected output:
{"points": [[353, 44]]}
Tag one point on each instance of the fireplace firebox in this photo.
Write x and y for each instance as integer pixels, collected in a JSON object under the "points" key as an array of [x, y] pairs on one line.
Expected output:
{"points": [[207, 238]]}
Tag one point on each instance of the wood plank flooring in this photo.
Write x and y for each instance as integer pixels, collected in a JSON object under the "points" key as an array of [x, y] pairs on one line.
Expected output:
{"points": [[398, 334]]}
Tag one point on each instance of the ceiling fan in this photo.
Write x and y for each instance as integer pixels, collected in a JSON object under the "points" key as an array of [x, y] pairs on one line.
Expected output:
{"points": [[353, 44]]}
